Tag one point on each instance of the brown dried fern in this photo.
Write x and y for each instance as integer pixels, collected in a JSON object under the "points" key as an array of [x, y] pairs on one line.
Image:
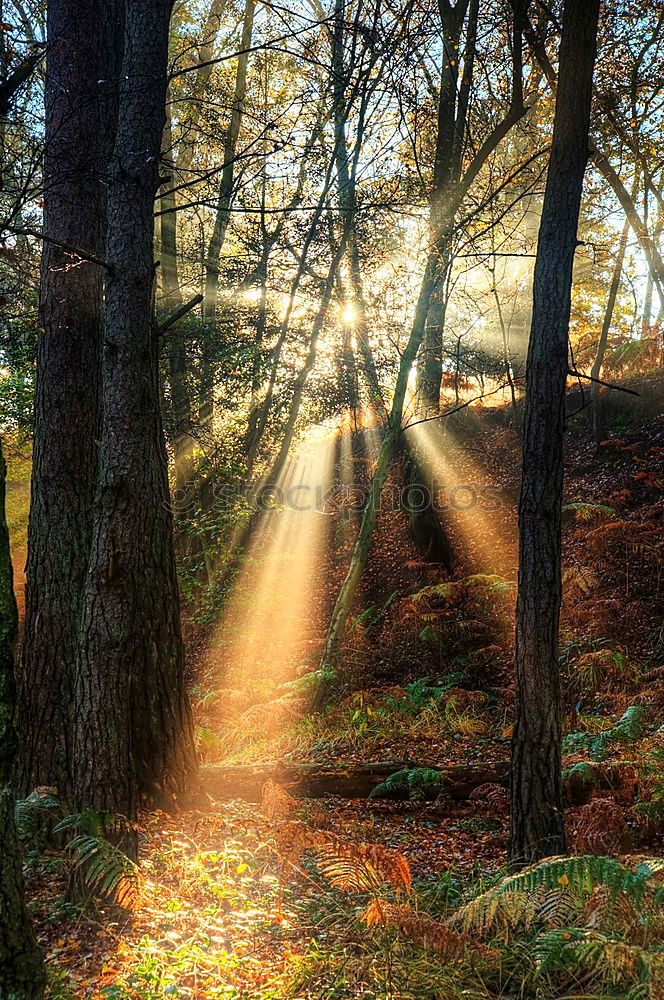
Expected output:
{"points": [[423, 930], [363, 867], [277, 804]]}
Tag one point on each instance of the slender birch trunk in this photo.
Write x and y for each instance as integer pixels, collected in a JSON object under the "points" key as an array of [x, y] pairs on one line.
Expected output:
{"points": [[537, 827]]}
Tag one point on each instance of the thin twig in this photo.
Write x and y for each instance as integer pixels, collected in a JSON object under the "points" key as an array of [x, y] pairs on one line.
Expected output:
{"points": [[67, 247], [455, 409], [182, 311], [599, 381]]}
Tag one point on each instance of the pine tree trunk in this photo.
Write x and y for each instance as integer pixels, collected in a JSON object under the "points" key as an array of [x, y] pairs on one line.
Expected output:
{"points": [[67, 410], [21, 972], [537, 828], [452, 113], [134, 740]]}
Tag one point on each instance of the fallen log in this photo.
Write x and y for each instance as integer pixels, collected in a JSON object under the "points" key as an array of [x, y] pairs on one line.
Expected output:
{"points": [[356, 781]]}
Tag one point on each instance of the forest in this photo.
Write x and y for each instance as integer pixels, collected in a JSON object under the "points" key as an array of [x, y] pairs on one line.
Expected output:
{"points": [[331, 499]]}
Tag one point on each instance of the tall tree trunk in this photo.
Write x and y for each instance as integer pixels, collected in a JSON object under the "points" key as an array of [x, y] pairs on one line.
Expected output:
{"points": [[646, 323], [347, 200], [178, 365], [648, 244], [452, 112], [596, 370], [225, 196], [222, 217], [21, 972], [171, 296], [67, 401], [191, 123], [171, 301], [134, 739], [537, 828]]}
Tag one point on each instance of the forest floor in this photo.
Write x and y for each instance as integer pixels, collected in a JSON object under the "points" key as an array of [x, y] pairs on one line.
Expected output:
{"points": [[255, 901], [223, 911]]}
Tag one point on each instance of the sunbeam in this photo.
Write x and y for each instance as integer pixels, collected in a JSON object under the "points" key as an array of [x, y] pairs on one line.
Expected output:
{"points": [[273, 613], [470, 502]]}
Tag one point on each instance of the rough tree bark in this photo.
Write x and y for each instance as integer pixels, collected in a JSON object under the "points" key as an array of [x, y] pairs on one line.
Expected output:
{"points": [[67, 410], [537, 828], [21, 972], [134, 740]]}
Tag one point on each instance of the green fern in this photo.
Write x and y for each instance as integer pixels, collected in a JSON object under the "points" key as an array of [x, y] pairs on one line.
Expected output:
{"points": [[36, 811], [105, 870], [438, 591], [652, 774], [421, 692], [306, 684], [374, 615], [491, 582], [573, 649], [581, 772], [587, 511], [589, 956], [630, 728], [416, 783], [517, 899]]}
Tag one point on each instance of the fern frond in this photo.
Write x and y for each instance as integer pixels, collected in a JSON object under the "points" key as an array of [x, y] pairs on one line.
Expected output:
{"points": [[88, 822], [422, 929], [363, 867], [583, 577], [600, 827], [587, 511], [413, 783], [557, 908], [510, 903], [31, 811], [488, 580], [106, 870], [277, 804], [607, 912], [582, 772], [582, 953], [630, 728]]}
